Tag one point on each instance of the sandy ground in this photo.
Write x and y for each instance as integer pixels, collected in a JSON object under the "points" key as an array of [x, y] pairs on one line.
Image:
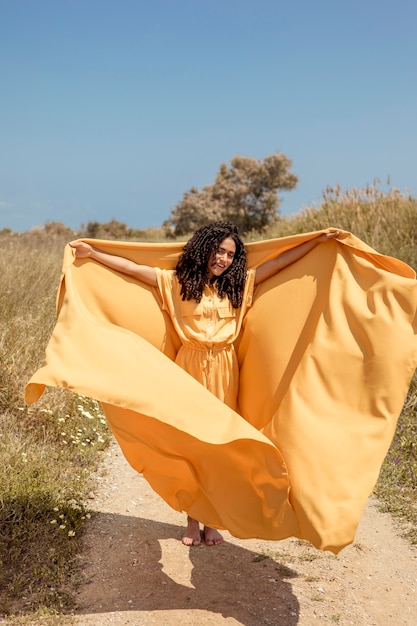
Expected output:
{"points": [[138, 572]]}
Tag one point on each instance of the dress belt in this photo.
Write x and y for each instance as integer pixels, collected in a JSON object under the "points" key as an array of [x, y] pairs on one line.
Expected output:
{"points": [[201, 348], [207, 363]]}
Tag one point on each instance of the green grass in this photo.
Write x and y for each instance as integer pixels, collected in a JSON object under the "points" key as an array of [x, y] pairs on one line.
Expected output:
{"points": [[50, 452]]}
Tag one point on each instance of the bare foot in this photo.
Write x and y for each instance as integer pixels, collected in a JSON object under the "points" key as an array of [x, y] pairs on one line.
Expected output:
{"points": [[212, 537], [192, 535]]}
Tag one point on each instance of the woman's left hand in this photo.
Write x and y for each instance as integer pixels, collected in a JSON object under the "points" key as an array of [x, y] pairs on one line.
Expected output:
{"points": [[330, 235]]}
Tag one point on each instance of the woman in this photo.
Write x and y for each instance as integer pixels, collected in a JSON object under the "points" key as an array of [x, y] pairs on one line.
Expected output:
{"points": [[206, 296]]}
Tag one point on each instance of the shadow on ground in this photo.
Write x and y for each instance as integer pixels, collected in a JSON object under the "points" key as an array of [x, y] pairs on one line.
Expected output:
{"points": [[137, 564]]}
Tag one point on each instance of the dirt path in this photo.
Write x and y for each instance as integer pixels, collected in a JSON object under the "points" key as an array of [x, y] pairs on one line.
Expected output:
{"points": [[138, 572]]}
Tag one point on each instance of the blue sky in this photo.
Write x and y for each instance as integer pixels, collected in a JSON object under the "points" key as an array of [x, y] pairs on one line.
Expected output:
{"points": [[113, 109]]}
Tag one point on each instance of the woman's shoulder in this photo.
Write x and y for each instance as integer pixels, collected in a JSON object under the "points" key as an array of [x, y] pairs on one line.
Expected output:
{"points": [[166, 274], [166, 279]]}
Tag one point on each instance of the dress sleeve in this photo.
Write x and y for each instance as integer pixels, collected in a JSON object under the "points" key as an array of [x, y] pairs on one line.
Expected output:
{"points": [[165, 280]]}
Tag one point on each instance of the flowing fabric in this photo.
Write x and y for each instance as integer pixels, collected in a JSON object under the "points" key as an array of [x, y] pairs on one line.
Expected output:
{"points": [[326, 354]]}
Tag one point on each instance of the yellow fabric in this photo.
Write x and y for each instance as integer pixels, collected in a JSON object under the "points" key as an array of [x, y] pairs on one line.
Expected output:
{"points": [[207, 331], [326, 354]]}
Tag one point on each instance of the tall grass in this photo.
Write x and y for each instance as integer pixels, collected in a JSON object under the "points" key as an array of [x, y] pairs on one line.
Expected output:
{"points": [[384, 220], [47, 452], [50, 452]]}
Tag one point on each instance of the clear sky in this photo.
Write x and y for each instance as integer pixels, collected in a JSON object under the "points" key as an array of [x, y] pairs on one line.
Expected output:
{"points": [[113, 109]]}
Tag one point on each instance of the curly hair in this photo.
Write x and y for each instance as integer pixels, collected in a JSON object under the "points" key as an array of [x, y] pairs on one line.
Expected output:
{"points": [[192, 268]]}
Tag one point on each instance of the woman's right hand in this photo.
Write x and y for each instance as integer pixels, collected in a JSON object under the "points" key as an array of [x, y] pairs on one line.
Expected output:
{"points": [[81, 249]]}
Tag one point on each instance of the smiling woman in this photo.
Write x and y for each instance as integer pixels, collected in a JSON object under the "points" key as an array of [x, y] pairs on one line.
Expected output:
{"points": [[299, 383], [206, 296]]}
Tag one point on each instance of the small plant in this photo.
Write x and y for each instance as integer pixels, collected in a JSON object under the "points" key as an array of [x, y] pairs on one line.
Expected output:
{"points": [[311, 579], [309, 556], [317, 597], [279, 555]]}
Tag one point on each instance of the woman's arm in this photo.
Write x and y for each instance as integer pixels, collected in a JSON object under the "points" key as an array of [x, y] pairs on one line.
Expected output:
{"points": [[145, 273], [268, 269]]}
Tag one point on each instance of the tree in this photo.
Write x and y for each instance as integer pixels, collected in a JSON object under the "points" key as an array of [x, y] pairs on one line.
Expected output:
{"points": [[245, 193], [114, 230]]}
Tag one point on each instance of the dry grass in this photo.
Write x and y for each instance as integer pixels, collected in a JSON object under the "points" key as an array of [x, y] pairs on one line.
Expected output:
{"points": [[385, 221], [44, 473]]}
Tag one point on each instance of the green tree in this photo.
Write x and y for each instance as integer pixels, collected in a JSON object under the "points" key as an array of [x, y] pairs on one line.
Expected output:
{"points": [[245, 193]]}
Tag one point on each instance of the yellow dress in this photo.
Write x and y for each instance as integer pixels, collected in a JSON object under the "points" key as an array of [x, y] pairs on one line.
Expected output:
{"points": [[207, 331], [325, 352]]}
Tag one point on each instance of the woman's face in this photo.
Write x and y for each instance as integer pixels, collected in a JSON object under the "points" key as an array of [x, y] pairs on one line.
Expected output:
{"points": [[222, 259]]}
